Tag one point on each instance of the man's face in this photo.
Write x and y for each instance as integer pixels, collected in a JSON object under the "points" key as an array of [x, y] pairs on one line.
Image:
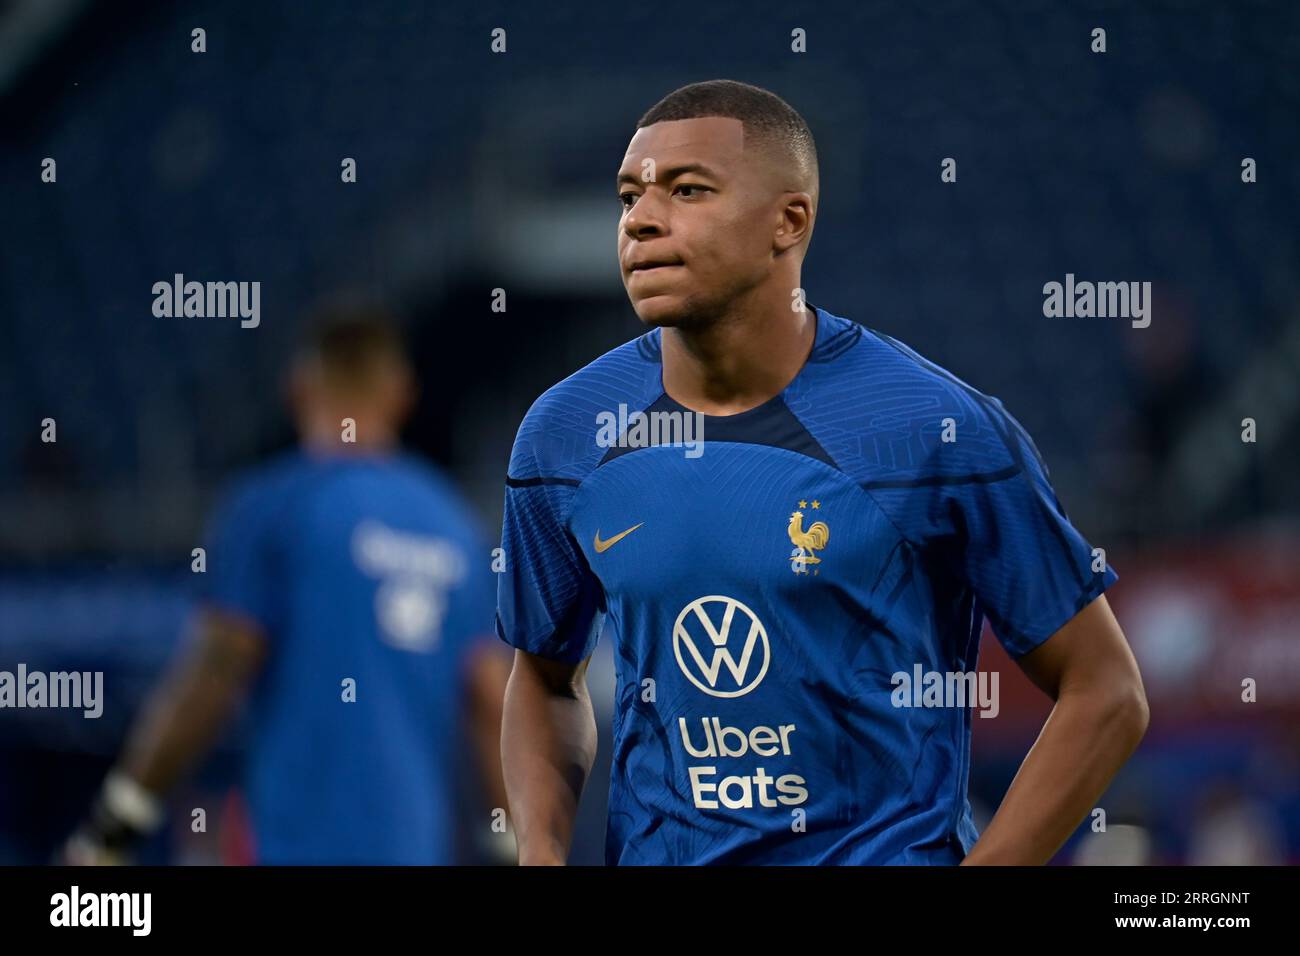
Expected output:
{"points": [[700, 234]]}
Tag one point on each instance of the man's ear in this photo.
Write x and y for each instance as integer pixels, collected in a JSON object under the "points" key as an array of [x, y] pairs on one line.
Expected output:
{"points": [[796, 223], [404, 393]]}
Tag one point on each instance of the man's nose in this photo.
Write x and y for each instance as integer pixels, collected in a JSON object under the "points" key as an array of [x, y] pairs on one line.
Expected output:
{"points": [[645, 217]]}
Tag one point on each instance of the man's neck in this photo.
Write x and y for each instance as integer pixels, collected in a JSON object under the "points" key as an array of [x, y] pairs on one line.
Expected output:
{"points": [[738, 362], [326, 436]]}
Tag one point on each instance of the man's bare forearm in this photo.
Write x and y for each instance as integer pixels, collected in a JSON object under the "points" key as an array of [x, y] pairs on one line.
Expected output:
{"points": [[489, 672], [548, 744], [1084, 742], [192, 705]]}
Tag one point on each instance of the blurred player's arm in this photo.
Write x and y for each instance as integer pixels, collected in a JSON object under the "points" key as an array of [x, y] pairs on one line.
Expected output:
{"points": [[191, 706], [548, 744], [179, 723], [1098, 720], [488, 671]]}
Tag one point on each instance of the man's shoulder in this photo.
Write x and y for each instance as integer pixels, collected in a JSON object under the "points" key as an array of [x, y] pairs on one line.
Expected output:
{"points": [[874, 364], [887, 413], [255, 497], [443, 504], [557, 438], [265, 480]]}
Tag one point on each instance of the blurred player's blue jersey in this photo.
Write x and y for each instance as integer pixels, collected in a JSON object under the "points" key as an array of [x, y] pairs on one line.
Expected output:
{"points": [[762, 595], [364, 573]]}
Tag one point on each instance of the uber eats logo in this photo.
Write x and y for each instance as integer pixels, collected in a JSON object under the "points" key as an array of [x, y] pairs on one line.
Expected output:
{"points": [[723, 649]]}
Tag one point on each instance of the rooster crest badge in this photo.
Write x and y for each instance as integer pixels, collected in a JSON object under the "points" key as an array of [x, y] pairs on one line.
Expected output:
{"points": [[806, 543]]}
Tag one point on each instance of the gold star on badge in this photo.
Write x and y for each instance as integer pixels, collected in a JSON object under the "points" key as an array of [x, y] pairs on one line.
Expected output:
{"points": [[817, 504], [803, 504]]}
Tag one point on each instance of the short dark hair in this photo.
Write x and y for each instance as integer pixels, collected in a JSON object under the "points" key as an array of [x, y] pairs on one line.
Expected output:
{"points": [[352, 343], [768, 119]]}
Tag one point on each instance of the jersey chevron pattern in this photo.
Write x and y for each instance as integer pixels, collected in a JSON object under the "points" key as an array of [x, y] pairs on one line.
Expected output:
{"points": [[763, 594]]}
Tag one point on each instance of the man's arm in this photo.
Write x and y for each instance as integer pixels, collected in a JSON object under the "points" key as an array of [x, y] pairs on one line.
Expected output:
{"points": [[548, 744], [487, 671], [193, 703], [1100, 716], [176, 727]]}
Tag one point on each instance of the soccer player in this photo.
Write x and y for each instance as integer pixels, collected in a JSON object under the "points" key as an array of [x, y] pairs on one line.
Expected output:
{"points": [[349, 592], [853, 514]]}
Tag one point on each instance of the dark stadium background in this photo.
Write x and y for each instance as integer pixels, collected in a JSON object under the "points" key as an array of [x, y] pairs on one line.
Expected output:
{"points": [[479, 171]]}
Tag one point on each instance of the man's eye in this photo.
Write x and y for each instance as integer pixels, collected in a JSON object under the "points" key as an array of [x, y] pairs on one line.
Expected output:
{"points": [[626, 199], [698, 189]]}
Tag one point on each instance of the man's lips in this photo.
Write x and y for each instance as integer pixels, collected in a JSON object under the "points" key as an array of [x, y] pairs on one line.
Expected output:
{"points": [[653, 267]]}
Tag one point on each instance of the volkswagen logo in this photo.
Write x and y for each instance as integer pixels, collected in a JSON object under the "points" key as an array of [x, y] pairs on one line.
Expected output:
{"points": [[738, 643]]}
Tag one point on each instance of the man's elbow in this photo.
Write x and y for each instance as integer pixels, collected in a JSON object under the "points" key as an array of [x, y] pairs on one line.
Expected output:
{"points": [[1127, 713]]}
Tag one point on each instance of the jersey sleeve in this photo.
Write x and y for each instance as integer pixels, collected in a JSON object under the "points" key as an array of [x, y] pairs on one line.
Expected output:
{"points": [[1029, 566], [548, 601], [999, 526], [242, 561]]}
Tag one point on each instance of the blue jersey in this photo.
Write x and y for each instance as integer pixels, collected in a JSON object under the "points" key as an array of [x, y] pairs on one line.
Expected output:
{"points": [[370, 585], [796, 602]]}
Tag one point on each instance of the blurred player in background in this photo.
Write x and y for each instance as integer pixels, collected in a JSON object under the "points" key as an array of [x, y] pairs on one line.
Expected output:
{"points": [[349, 593], [853, 513]]}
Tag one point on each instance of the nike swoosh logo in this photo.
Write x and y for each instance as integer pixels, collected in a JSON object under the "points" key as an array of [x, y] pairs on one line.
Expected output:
{"points": [[603, 546]]}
